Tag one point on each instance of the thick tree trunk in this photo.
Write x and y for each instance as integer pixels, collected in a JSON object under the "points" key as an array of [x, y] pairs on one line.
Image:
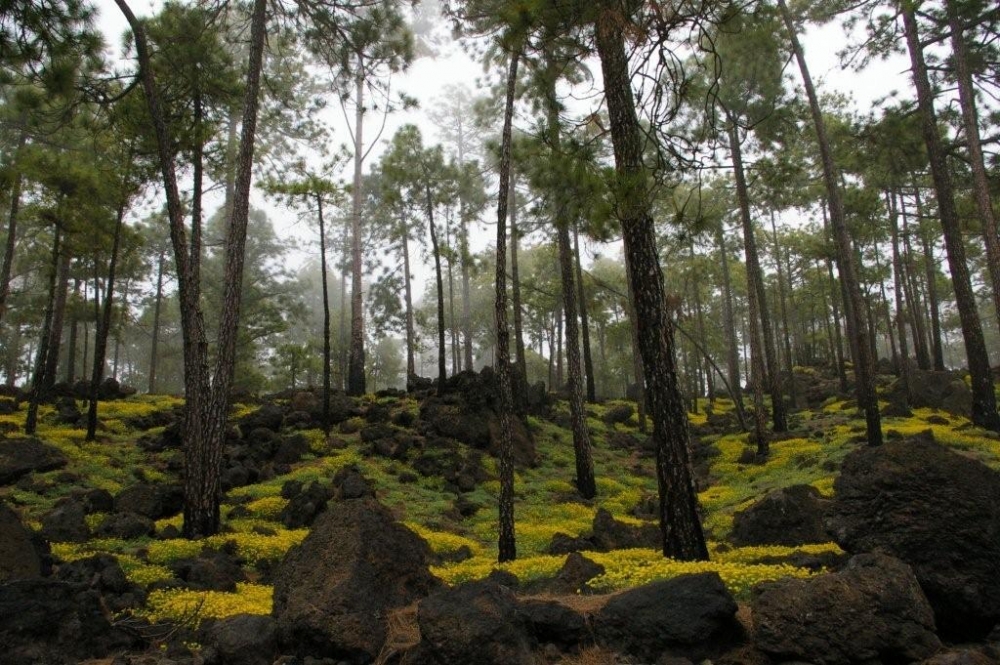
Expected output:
{"points": [[984, 405], [970, 121], [104, 328], [356, 362], [588, 361], [864, 369], [507, 550], [680, 526]]}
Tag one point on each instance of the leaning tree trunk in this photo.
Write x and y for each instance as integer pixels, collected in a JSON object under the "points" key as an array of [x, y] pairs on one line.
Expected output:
{"points": [[680, 527], [864, 369], [980, 180], [984, 404], [507, 550]]}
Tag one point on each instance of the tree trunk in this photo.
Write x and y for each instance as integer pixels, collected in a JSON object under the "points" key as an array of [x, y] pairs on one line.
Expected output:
{"points": [[411, 365], [521, 364], [913, 293], [104, 327], [157, 306], [442, 355], [356, 362], [327, 387], [933, 302], [984, 405], [784, 312], [897, 283], [680, 527], [755, 305], [74, 324], [729, 322], [456, 362], [15, 205], [864, 369], [970, 121], [585, 483], [466, 305], [44, 338], [58, 316], [588, 361], [507, 550]]}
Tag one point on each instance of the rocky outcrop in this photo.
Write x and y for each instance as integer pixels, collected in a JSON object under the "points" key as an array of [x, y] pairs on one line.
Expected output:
{"points": [[788, 516], [938, 511]]}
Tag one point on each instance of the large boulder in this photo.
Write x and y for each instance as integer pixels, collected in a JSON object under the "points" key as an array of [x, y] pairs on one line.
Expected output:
{"points": [[938, 511], [332, 594], [788, 516], [149, 500], [478, 622], [20, 555], [937, 390], [268, 416], [66, 523], [19, 457], [51, 623], [691, 615], [873, 611], [244, 639]]}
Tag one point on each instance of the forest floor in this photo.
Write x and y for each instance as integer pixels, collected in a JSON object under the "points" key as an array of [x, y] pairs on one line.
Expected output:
{"points": [[458, 522]]}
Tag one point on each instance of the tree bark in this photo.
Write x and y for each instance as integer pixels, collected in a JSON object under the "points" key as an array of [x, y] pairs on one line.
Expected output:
{"points": [[356, 361], [984, 405], [411, 365], [897, 283], [783, 308], [507, 550], [864, 369], [327, 381], [729, 322], [755, 305], [520, 377], [970, 121], [588, 361], [680, 527], [104, 327], [435, 250], [157, 305], [58, 315], [15, 205], [37, 390], [917, 310]]}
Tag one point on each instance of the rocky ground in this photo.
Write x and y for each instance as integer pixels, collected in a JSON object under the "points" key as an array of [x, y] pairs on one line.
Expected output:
{"points": [[377, 544]]}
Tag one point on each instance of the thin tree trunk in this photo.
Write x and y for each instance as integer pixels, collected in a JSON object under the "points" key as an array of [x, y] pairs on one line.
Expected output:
{"points": [[585, 483], [754, 304], [507, 550], [356, 362], [442, 370], [729, 322], [456, 362], [789, 365], [157, 306], [984, 405], [933, 303], [864, 369], [104, 327], [59, 315], [327, 387], [37, 390], [897, 282], [913, 293], [521, 364], [588, 361], [74, 324], [411, 366], [15, 205], [680, 527], [466, 304]]}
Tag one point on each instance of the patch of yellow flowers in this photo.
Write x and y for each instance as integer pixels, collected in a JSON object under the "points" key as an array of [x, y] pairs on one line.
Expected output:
{"points": [[185, 604], [442, 542]]}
